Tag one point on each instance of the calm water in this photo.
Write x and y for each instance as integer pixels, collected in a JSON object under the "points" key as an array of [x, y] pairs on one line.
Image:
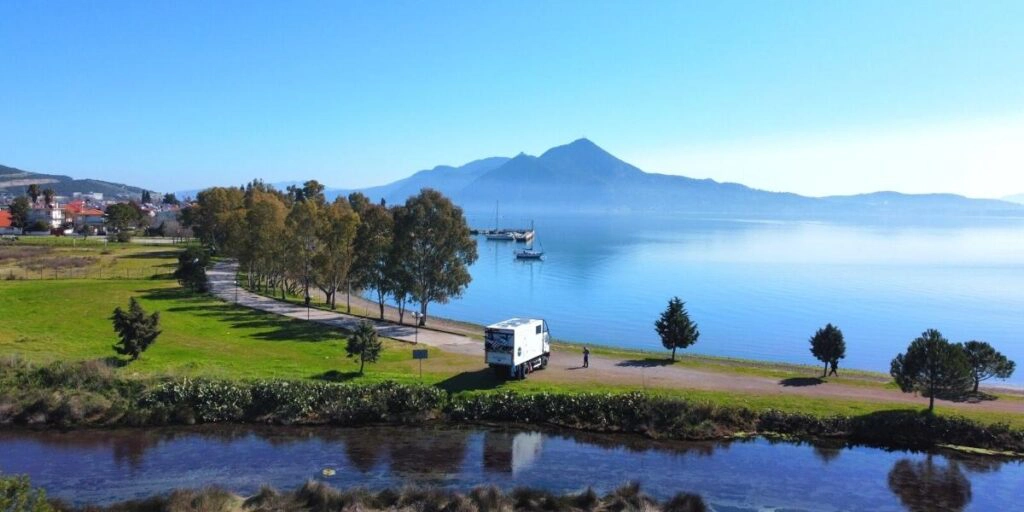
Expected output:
{"points": [[108, 466], [759, 289]]}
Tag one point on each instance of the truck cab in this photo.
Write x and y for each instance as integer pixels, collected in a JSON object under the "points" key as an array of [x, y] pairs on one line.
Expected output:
{"points": [[517, 346]]}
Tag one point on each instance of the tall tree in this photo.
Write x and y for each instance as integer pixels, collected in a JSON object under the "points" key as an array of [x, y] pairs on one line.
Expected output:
{"points": [[433, 238], [215, 214], [373, 244], [986, 362], [337, 232], [265, 254], [19, 211], [364, 344], [828, 346], [932, 366], [136, 330], [303, 224], [171, 199], [675, 327], [33, 192], [48, 195], [147, 197]]}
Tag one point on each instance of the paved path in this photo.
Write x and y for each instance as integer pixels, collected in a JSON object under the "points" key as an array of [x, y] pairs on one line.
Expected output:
{"points": [[222, 284], [565, 365]]}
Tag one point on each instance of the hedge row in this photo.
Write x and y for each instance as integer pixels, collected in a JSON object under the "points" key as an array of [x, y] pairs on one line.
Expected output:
{"points": [[76, 396]]}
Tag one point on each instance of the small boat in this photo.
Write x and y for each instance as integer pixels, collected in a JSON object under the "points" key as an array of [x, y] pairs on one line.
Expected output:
{"points": [[529, 254]]}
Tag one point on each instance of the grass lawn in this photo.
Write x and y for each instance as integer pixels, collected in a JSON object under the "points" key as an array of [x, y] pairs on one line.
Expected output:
{"points": [[93, 258], [49, 320]]}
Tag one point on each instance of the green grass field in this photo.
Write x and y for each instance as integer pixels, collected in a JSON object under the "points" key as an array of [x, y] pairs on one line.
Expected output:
{"points": [[48, 320], [35, 258]]}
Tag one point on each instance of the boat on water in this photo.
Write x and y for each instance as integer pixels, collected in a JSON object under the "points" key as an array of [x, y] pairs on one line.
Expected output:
{"points": [[498, 234], [530, 254]]}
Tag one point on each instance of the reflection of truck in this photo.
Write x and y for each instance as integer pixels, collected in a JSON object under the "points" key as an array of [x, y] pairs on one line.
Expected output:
{"points": [[517, 346]]}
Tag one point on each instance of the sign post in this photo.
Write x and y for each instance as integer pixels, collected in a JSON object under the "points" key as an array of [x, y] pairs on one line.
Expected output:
{"points": [[421, 355]]}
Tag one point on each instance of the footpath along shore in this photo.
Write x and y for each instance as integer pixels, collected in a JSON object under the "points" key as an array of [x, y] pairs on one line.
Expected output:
{"points": [[564, 366]]}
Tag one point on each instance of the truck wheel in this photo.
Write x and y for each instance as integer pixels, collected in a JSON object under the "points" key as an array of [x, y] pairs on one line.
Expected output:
{"points": [[543, 362], [522, 371]]}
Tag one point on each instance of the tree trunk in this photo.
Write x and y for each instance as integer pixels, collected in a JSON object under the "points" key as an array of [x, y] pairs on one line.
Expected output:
{"points": [[423, 313], [824, 372], [976, 382], [348, 298], [931, 402], [673, 354], [362, 362]]}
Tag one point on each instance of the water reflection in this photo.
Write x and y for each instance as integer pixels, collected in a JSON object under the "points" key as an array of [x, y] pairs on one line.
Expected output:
{"points": [[925, 486], [747, 475]]}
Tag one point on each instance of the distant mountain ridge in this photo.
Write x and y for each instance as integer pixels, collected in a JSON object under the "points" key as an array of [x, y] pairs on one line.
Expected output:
{"points": [[582, 177], [16, 181], [1016, 198]]}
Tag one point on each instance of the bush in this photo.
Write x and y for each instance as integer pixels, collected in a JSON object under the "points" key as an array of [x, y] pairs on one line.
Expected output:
{"points": [[17, 495], [121, 237]]}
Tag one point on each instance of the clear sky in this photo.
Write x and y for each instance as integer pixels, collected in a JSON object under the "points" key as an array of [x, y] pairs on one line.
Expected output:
{"points": [[815, 97]]}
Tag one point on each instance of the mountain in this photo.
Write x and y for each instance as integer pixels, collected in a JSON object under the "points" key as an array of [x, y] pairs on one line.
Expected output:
{"points": [[15, 181], [1016, 198], [582, 177]]}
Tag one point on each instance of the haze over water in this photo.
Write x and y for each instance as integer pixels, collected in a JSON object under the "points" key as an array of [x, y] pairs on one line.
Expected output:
{"points": [[759, 289]]}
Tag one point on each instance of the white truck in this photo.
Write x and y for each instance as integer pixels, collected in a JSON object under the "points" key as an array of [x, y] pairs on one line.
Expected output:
{"points": [[517, 346]]}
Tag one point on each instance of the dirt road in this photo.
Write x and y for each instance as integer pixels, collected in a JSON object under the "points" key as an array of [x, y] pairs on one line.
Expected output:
{"points": [[566, 366]]}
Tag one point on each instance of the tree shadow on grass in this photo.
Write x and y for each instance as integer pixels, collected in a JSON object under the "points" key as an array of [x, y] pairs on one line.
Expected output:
{"points": [[470, 381], [650, 362], [970, 397], [800, 382], [114, 361], [336, 376], [152, 255]]}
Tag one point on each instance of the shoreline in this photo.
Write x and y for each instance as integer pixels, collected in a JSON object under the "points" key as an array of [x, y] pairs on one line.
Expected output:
{"points": [[369, 309]]}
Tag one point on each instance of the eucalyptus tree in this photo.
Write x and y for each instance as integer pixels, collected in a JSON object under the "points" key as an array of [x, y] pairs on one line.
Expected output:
{"points": [[373, 246], [333, 262], [434, 247]]}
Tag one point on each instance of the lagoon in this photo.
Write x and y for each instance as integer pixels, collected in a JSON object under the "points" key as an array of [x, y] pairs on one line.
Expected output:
{"points": [[106, 466], [759, 288]]}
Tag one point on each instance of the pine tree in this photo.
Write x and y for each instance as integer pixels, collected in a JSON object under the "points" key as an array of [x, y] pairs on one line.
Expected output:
{"points": [[828, 346], [675, 327], [364, 344], [136, 330], [932, 366]]}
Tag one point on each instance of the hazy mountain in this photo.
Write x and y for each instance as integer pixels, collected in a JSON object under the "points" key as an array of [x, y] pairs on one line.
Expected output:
{"points": [[15, 181], [582, 177], [1016, 198], [447, 179]]}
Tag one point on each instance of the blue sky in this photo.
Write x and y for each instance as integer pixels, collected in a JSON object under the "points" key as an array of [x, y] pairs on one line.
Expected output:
{"points": [[812, 97]]}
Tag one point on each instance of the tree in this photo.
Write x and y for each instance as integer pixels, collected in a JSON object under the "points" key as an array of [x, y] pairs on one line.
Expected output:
{"points": [[122, 216], [373, 245], [933, 366], [171, 199], [925, 486], [19, 210], [303, 224], [214, 218], [828, 346], [18, 495], [337, 232], [191, 271], [675, 327], [136, 330], [436, 248], [986, 362], [147, 197], [364, 344], [48, 195], [33, 192]]}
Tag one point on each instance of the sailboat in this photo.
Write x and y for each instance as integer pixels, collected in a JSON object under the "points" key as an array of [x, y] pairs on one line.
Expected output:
{"points": [[530, 253], [497, 234]]}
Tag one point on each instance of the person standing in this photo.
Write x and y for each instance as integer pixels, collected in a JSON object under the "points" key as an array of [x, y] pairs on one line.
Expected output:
{"points": [[586, 357]]}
